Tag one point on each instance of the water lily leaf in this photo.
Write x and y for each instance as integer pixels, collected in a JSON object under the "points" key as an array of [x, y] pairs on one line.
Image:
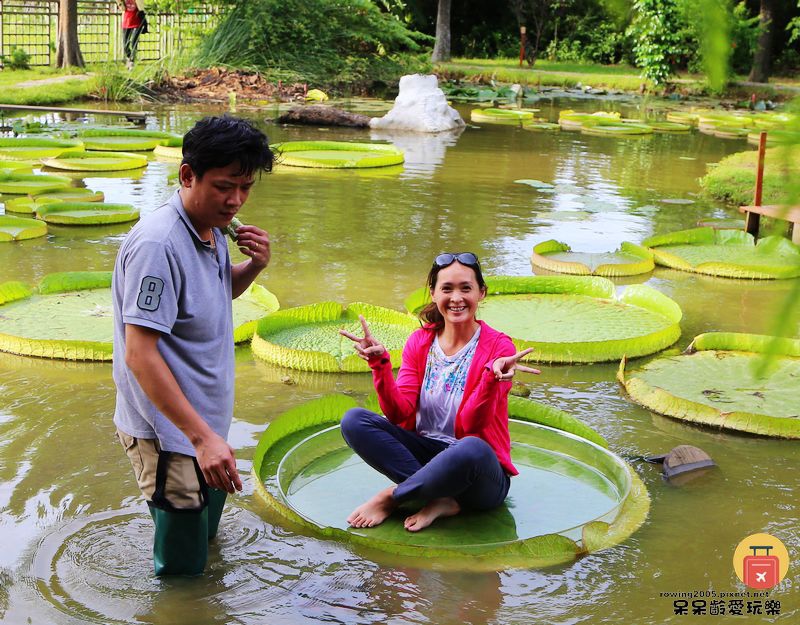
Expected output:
{"points": [[669, 126], [69, 316], [337, 154], [307, 476], [172, 153], [96, 161], [251, 306], [31, 184], [85, 213], [575, 318], [500, 116], [307, 337], [629, 260], [27, 205], [34, 148], [13, 228], [128, 139], [716, 382], [726, 253]]}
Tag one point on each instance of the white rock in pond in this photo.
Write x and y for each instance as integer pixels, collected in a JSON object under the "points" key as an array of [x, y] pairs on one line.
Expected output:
{"points": [[420, 107]]}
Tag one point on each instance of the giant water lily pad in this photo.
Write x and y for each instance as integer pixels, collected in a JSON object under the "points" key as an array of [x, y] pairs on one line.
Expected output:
{"points": [[127, 139], [27, 205], [719, 381], [31, 184], [254, 304], [575, 318], [307, 475], [337, 154], [85, 213], [69, 316], [96, 161], [13, 228], [726, 253], [629, 260], [307, 337], [27, 148], [172, 153], [512, 117]]}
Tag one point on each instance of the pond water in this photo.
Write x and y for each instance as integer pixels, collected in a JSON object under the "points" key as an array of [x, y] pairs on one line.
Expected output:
{"points": [[76, 536]]}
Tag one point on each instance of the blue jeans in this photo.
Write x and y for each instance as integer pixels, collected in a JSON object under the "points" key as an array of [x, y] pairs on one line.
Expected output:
{"points": [[426, 468]]}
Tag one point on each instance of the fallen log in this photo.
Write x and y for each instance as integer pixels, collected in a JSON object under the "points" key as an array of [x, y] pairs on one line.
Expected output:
{"points": [[320, 115]]}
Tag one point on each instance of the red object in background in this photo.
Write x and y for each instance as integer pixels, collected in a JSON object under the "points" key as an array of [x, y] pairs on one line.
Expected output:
{"points": [[761, 571]]}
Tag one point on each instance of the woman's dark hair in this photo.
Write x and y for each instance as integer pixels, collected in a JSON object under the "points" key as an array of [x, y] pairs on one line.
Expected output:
{"points": [[219, 141], [430, 313]]}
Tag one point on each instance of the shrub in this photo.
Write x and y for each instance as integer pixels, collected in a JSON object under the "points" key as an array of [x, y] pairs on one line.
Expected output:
{"points": [[18, 59], [321, 41]]}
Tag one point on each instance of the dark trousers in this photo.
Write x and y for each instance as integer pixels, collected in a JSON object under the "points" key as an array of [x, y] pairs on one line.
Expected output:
{"points": [[130, 42], [426, 468]]}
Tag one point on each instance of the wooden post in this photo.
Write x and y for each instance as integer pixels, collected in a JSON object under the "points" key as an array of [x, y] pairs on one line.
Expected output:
{"points": [[521, 45], [751, 220]]}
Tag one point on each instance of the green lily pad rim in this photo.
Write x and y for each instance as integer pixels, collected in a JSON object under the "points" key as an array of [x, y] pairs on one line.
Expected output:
{"points": [[31, 228], [61, 282], [538, 551], [608, 270], [322, 312], [663, 402], [706, 235], [624, 487]]}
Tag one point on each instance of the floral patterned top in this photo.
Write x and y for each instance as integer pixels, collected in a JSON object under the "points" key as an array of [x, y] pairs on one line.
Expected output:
{"points": [[443, 389]]}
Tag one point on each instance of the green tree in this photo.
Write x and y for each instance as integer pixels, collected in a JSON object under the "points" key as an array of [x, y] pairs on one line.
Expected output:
{"points": [[657, 40]]}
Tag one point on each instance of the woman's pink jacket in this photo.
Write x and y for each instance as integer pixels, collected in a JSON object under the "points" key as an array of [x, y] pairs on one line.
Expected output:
{"points": [[484, 408]]}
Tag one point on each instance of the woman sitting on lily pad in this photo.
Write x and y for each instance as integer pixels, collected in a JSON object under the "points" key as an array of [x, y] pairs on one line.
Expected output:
{"points": [[444, 440]]}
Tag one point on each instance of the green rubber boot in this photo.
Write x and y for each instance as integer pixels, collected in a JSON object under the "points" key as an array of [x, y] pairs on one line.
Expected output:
{"points": [[180, 544], [216, 501]]}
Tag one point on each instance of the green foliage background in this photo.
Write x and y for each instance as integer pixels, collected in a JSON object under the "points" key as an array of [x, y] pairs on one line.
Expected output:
{"points": [[319, 41]]}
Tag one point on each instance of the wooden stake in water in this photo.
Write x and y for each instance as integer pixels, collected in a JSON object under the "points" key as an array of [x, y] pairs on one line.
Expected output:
{"points": [[752, 219]]}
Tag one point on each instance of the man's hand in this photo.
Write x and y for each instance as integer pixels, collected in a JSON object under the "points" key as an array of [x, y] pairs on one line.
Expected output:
{"points": [[254, 242], [218, 464]]}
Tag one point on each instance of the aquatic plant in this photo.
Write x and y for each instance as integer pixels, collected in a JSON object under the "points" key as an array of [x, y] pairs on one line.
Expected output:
{"points": [[306, 440], [629, 260], [337, 154], [717, 382], [575, 318], [307, 337], [726, 253], [96, 161], [13, 228], [68, 316]]}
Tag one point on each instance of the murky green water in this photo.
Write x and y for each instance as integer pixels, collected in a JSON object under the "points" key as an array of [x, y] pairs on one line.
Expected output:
{"points": [[76, 536]]}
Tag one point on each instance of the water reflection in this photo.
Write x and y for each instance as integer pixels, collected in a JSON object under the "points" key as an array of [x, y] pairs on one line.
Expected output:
{"points": [[75, 538], [424, 152]]}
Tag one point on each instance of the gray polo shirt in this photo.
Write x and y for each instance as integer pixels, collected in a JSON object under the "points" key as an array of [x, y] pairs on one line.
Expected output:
{"points": [[168, 279]]}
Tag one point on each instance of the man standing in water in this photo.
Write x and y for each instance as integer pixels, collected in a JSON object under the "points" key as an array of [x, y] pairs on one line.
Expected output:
{"points": [[173, 339]]}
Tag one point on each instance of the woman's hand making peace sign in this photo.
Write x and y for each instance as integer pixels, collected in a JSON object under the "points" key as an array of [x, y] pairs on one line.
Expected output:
{"points": [[504, 368], [367, 347]]}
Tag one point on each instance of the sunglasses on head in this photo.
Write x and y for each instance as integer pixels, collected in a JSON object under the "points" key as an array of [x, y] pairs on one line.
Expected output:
{"points": [[447, 259]]}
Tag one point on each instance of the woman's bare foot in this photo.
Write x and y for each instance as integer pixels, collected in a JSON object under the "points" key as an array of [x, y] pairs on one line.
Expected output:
{"points": [[445, 506], [374, 511]]}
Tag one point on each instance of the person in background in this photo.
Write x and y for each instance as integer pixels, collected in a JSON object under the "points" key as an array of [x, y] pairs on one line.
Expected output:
{"points": [[134, 24], [172, 287], [444, 439]]}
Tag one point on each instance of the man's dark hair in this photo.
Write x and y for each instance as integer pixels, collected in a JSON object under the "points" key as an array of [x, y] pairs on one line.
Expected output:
{"points": [[219, 141]]}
